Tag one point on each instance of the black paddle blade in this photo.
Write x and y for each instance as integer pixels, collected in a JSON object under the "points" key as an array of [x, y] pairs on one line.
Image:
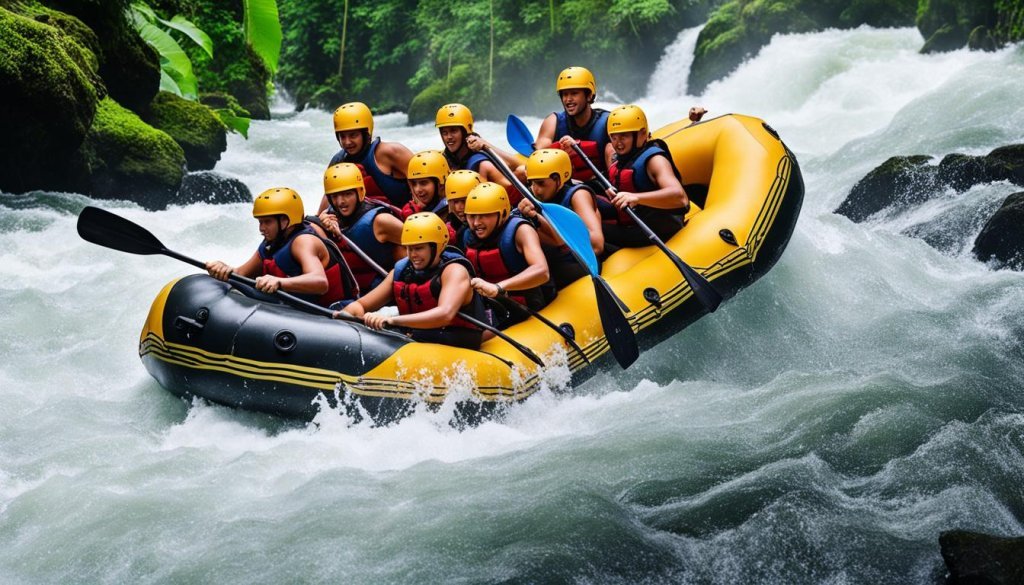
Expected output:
{"points": [[702, 289], [620, 335], [106, 229]]}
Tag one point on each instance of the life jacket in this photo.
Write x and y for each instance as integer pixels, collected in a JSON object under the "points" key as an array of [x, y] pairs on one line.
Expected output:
{"points": [[379, 185], [592, 138], [457, 230], [472, 162], [497, 258], [416, 291], [630, 175], [413, 206], [278, 261], [358, 227]]}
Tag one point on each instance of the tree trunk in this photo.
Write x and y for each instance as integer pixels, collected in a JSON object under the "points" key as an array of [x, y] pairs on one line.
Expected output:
{"points": [[341, 51], [490, 73]]}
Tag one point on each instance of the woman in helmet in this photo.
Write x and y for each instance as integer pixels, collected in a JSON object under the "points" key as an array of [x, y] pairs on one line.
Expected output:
{"points": [[382, 164], [644, 179], [352, 220], [426, 175], [578, 123], [548, 173], [505, 251], [292, 257], [430, 287], [456, 189], [455, 124]]}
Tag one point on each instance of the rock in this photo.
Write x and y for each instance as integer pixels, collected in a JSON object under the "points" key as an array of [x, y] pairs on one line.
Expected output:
{"points": [[1002, 240], [899, 181], [125, 158], [223, 101], [975, 558], [738, 29], [192, 125], [1006, 163], [50, 92], [212, 187], [981, 39], [962, 171]]}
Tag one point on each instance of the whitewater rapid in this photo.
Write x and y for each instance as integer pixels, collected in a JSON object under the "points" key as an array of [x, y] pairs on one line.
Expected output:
{"points": [[823, 426]]}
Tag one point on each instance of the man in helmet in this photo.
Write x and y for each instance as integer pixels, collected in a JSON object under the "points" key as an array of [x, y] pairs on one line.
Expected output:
{"points": [[505, 251], [578, 123], [455, 124], [353, 221], [292, 257], [430, 287], [383, 164], [549, 172], [644, 179], [456, 188], [426, 175]]}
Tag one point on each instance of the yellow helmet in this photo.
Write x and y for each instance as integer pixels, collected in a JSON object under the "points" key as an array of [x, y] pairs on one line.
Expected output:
{"points": [[279, 201], [344, 177], [627, 119], [429, 164], [549, 161], [576, 78], [488, 198], [353, 116], [454, 115], [425, 228], [460, 183]]}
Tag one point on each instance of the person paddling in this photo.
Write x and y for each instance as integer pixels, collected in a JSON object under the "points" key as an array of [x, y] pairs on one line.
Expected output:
{"points": [[505, 252], [351, 219], [456, 188], [292, 257], [548, 173], [644, 179], [382, 164], [430, 287], [455, 124]]}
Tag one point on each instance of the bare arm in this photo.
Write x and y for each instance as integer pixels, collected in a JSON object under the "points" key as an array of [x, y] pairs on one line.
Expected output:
{"points": [[584, 205], [535, 274], [491, 173], [395, 157], [455, 292], [221, 271], [311, 254], [669, 195], [476, 144], [546, 134], [387, 229], [375, 299]]}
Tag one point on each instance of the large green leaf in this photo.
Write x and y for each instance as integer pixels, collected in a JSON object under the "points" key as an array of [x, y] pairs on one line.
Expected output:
{"points": [[234, 123], [263, 30], [168, 84], [173, 59], [186, 27]]}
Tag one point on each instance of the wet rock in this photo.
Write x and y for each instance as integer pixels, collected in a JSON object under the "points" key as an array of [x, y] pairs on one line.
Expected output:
{"points": [[199, 132], [899, 181], [1006, 163], [50, 93], [962, 171], [973, 558], [1002, 242], [125, 158], [981, 39], [211, 187]]}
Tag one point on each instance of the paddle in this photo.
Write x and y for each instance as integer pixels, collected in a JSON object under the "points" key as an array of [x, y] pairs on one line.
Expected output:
{"points": [[571, 229], [702, 289], [526, 309], [518, 135]]}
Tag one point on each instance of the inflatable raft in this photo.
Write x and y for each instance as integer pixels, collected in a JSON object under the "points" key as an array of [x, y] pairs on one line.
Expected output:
{"points": [[213, 340]]}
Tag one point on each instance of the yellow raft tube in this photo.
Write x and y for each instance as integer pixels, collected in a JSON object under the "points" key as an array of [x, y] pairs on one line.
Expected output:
{"points": [[202, 338]]}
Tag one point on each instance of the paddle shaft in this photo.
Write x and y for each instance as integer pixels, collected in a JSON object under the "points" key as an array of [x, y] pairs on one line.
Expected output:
{"points": [[700, 286]]}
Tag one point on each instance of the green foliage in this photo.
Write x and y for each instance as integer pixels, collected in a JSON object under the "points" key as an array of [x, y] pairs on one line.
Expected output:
{"points": [[263, 30], [176, 74]]}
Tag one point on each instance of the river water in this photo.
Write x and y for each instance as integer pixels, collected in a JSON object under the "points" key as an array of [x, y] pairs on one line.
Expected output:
{"points": [[822, 427]]}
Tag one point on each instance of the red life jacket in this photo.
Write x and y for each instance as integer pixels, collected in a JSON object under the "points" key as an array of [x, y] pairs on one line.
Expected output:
{"points": [[592, 138], [497, 258], [630, 175], [278, 261], [416, 291]]}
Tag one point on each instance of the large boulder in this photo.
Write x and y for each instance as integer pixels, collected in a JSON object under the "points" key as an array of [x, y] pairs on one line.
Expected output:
{"points": [[50, 92], [212, 187], [1002, 238], [947, 24], [194, 126], [1006, 163], [739, 28], [973, 558], [899, 181], [122, 157]]}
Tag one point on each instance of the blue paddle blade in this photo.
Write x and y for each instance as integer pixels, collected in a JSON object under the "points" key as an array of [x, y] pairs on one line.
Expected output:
{"points": [[573, 232], [518, 135]]}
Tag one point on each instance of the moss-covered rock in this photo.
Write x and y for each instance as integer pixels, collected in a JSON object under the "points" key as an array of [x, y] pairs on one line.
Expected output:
{"points": [[50, 92], [223, 101], [130, 68], [125, 158], [899, 181], [196, 129], [739, 28], [459, 87]]}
